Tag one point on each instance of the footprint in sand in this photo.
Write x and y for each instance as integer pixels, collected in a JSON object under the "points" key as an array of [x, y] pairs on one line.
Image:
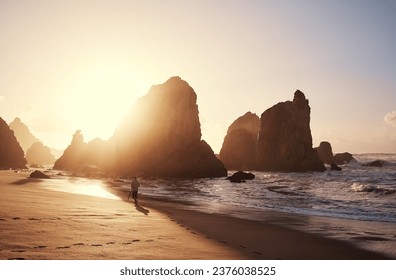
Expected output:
{"points": [[1, 219], [18, 251], [136, 240], [34, 219], [257, 253], [63, 247], [96, 245], [16, 218], [193, 232], [16, 259], [242, 246], [127, 243], [110, 243], [78, 244], [370, 238], [39, 247], [221, 241], [149, 240]]}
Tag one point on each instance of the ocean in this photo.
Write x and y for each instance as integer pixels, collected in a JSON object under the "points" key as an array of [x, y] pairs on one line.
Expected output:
{"points": [[357, 192]]}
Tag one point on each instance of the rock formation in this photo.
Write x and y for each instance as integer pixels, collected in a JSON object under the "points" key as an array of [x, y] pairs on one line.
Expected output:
{"points": [[375, 163], [285, 141], [162, 136], [39, 154], [22, 133], [39, 175], [343, 158], [325, 152], [239, 147], [240, 177], [74, 155], [11, 153]]}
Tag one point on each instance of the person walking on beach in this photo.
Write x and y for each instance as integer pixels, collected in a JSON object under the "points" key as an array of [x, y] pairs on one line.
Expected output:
{"points": [[135, 189]]}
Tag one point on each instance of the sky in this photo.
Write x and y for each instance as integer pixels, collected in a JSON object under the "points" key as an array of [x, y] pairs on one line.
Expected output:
{"points": [[68, 65]]}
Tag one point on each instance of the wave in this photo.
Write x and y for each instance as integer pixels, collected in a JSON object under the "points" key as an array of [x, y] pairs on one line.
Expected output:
{"points": [[357, 187]]}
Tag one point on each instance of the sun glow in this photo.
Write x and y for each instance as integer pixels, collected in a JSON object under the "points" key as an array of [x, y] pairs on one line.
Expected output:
{"points": [[99, 96]]}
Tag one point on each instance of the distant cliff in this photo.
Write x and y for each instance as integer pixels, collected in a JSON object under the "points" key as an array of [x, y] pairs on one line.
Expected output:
{"points": [[11, 153], [22, 133], [74, 155], [285, 140], [39, 154], [239, 147]]}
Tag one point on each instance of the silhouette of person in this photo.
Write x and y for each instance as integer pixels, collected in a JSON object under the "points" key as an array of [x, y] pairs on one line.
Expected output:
{"points": [[135, 189]]}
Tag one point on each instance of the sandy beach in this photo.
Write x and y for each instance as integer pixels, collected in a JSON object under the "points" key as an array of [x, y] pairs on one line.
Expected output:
{"points": [[38, 222]]}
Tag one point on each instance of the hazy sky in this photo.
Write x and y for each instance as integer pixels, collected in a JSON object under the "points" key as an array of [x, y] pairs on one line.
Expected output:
{"points": [[67, 65]]}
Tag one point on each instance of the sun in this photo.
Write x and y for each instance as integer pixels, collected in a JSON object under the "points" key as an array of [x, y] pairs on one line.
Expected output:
{"points": [[100, 95]]}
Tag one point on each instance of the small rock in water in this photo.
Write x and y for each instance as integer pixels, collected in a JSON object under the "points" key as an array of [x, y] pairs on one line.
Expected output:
{"points": [[240, 177], [38, 174], [375, 163]]}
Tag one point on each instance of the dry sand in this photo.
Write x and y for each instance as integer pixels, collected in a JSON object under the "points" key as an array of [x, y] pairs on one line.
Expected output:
{"points": [[40, 223]]}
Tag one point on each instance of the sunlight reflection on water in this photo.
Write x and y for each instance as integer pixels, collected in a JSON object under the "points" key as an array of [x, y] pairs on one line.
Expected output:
{"points": [[81, 186]]}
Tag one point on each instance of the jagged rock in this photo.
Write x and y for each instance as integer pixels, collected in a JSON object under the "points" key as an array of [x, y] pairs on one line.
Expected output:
{"points": [[239, 147], [343, 158], [325, 152], [38, 174], [285, 140], [11, 153], [74, 155], [22, 133], [160, 137], [39, 154], [375, 163], [240, 177]]}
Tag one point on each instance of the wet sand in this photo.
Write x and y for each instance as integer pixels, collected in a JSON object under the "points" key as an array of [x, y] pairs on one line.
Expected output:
{"points": [[40, 223]]}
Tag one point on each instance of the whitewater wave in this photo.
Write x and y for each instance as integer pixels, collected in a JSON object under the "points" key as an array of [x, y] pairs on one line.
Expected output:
{"points": [[357, 187]]}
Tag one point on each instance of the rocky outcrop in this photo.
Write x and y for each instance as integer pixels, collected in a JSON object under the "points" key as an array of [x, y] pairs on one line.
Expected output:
{"points": [[74, 155], [239, 147], [22, 133], [241, 177], [343, 158], [39, 154], [325, 152], [11, 153], [160, 137], [39, 175], [376, 163], [285, 141]]}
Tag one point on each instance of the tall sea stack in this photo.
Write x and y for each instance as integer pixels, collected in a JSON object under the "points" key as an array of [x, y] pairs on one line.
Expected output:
{"points": [[161, 136], [285, 141]]}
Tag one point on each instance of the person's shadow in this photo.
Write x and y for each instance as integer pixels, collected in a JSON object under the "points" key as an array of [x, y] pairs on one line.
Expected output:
{"points": [[141, 209]]}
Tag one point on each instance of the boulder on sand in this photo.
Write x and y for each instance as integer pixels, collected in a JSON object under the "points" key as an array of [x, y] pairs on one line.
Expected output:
{"points": [[38, 174]]}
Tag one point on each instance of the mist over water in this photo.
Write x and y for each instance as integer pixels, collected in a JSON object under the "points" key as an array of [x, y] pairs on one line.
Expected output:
{"points": [[357, 192]]}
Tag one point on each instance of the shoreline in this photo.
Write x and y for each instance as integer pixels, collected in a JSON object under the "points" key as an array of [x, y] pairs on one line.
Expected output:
{"points": [[277, 235], [38, 222]]}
